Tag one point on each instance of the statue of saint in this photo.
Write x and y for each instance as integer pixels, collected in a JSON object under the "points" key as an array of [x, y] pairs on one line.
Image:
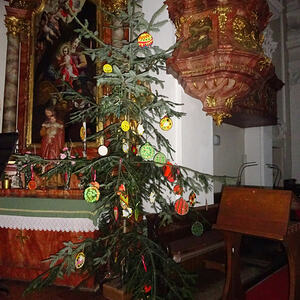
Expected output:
{"points": [[53, 135]]}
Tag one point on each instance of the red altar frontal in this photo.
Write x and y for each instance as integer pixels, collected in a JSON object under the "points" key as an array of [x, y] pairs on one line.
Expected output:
{"points": [[34, 227]]}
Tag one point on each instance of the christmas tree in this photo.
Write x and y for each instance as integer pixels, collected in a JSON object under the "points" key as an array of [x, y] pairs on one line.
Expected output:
{"points": [[135, 166]]}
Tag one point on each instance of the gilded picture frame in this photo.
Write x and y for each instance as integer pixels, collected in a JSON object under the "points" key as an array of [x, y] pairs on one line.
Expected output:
{"points": [[57, 64]]}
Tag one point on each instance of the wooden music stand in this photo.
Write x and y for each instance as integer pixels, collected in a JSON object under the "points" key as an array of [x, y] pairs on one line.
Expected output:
{"points": [[263, 213]]}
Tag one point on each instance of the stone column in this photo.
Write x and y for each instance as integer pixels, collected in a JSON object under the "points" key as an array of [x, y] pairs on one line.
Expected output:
{"points": [[16, 24]]}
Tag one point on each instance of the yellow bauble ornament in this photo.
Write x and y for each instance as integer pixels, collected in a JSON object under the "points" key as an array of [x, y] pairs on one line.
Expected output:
{"points": [[107, 68], [166, 123], [125, 126]]}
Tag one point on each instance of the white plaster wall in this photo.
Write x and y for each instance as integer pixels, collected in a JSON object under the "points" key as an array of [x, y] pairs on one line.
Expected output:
{"points": [[3, 43], [229, 155], [295, 135], [191, 136], [258, 148]]}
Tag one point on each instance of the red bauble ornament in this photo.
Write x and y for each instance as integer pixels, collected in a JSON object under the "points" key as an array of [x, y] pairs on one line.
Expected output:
{"points": [[147, 288], [181, 207], [178, 190], [168, 172], [116, 213]]}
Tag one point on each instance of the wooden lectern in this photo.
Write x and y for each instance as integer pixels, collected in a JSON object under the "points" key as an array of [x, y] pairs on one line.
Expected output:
{"points": [[263, 213]]}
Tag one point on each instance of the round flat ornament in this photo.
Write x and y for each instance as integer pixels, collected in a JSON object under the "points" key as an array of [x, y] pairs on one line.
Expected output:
{"points": [[166, 123], [107, 68], [91, 194], [125, 126], [145, 39], [125, 147], [102, 150], [32, 185], [147, 151], [79, 260], [181, 207], [178, 190], [140, 129], [197, 228], [82, 133], [160, 159], [192, 198]]}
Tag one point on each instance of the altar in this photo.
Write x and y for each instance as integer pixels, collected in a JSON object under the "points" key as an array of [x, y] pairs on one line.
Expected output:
{"points": [[35, 224]]}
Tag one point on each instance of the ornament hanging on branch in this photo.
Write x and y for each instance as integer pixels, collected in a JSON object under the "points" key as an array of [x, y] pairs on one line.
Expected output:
{"points": [[79, 260], [134, 149], [160, 159], [140, 129], [107, 68], [197, 228], [125, 126], [125, 147], [91, 194], [145, 39], [32, 185], [94, 182], [166, 123], [102, 150], [147, 151], [178, 190], [181, 207], [116, 213], [168, 173], [192, 198], [127, 212]]}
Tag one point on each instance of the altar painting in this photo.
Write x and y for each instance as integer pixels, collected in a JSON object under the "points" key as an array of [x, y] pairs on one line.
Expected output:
{"points": [[59, 66]]}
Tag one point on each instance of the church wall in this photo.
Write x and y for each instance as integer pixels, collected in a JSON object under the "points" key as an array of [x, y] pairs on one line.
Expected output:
{"points": [[295, 113], [191, 136], [229, 154], [3, 43]]}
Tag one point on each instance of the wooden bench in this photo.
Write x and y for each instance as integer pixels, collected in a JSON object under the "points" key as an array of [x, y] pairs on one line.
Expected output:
{"points": [[263, 213], [181, 244]]}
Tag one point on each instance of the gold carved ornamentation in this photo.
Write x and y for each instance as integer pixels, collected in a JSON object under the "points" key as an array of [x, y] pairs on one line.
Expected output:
{"points": [[229, 102], [219, 116], [264, 63], [17, 26], [178, 25], [222, 12], [211, 101], [23, 4], [245, 34], [114, 6], [199, 34]]}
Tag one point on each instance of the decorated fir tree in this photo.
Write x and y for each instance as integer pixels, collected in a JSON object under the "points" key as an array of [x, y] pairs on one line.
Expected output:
{"points": [[135, 165]]}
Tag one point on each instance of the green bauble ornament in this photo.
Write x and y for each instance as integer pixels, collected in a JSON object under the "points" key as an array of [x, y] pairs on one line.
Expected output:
{"points": [[91, 194], [147, 151], [160, 159], [197, 228]]}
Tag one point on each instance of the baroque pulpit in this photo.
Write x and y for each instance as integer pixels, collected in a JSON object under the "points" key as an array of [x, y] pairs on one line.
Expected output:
{"points": [[220, 59]]}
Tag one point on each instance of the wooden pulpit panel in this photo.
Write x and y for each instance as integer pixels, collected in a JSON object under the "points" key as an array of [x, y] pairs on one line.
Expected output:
{"points": [[255, 211]]}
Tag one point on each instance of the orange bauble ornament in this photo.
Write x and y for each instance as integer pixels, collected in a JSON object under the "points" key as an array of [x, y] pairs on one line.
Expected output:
{"points": [[145, 40]]}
